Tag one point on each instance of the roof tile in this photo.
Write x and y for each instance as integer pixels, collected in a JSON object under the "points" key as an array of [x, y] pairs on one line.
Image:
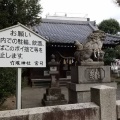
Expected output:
{"points": [[67, 31]]}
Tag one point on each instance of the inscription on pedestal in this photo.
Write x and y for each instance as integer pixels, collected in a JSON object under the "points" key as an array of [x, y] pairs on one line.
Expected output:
{"points": [[94, 74], [90, 74]]}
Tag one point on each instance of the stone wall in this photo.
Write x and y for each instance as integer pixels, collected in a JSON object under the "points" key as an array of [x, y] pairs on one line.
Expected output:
{"points": [[87, 111]]}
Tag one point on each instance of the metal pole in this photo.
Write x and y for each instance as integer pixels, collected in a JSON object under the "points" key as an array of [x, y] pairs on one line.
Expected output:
{"points": [[18, 88]]}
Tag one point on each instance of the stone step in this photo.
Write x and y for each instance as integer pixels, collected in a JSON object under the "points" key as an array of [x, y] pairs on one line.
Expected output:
{"points": [[46, 82]]}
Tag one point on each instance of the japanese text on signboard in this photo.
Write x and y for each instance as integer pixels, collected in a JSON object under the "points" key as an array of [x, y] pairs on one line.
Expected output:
{"points": [[18, 45]]}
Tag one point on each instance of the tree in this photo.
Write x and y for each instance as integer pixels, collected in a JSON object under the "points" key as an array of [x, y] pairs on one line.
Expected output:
{"points": [[110, 26], [117, 51], [118, 1], [13, 11], [110, 54], [24, 11]]}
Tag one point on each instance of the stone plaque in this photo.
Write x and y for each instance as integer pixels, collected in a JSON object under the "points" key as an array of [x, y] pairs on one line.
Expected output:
{"points": [[94, 74]]}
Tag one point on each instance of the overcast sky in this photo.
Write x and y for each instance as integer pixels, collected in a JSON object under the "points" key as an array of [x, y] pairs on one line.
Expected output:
{"points": [[97, 10]]}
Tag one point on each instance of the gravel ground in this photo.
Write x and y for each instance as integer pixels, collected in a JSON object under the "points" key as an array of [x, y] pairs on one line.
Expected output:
{"points": [[31, 97]]}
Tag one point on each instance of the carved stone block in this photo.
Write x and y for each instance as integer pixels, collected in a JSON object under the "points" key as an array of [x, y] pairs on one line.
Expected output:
{"points": [[90, 74]]}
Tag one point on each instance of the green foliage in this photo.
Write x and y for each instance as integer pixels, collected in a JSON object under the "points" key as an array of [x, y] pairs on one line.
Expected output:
{"points": [[118, 2], [117, 50], [12, 11], [110, 26], [110, 54], [7, 82], [24, 11]]}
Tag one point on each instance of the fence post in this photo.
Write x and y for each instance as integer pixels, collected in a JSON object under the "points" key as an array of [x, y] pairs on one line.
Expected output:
{"points": [[105, 98]]}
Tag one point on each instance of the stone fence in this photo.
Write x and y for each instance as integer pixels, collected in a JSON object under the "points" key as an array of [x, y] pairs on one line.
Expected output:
{"points": [[103, 106]]}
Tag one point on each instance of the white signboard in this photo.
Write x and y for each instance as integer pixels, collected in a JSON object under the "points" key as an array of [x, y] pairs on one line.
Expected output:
{"points": [[21, 47]]}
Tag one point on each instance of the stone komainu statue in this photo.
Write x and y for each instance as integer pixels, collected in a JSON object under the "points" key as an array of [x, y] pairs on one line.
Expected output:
{"points": [[92, 49]]}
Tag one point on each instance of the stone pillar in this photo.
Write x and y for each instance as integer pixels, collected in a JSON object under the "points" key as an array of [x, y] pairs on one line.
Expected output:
{"points": [[105, 98]]}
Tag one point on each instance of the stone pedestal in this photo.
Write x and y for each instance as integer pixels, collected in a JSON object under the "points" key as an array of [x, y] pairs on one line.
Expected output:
{"points": [[53, 96], [80, 93], [85, 77]]}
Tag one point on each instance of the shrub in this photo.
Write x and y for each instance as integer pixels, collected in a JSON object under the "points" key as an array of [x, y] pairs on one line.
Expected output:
{"points": [[7, 83], [110, 54]]}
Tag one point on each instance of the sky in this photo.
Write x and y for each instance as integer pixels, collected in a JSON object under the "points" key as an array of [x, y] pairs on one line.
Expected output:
{"points": [[96, 10]]}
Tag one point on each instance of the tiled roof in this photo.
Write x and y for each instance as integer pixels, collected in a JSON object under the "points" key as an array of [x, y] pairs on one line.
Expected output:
{"points": [[64, 31], [112, 39], [67, 31]]}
